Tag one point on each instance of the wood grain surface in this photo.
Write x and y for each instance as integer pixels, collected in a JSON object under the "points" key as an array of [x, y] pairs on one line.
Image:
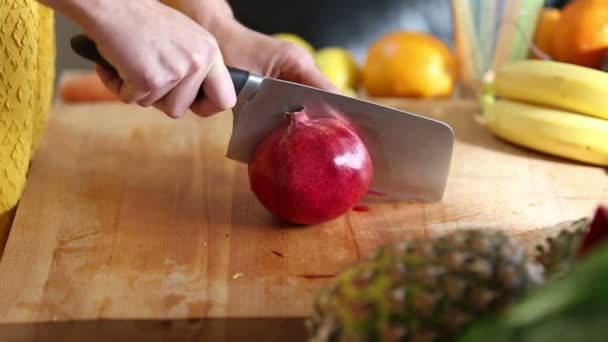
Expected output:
{"points": [[129, 215]]}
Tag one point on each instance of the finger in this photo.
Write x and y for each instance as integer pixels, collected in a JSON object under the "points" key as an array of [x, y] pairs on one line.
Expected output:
{"points": [[109, 79], [129, 93], [180, 98], [157, 95], [218, 86], [205, 107], [126, 92], [175, 69], [298, 66], [219, 91], [312, 76]]}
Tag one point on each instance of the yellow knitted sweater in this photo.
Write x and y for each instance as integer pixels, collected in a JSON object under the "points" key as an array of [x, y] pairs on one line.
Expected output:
{"points": [[27, 71]]}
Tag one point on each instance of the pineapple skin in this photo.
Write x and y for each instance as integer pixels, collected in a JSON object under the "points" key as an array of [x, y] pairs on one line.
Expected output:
{"points": [[424, 290], [558, 253]]}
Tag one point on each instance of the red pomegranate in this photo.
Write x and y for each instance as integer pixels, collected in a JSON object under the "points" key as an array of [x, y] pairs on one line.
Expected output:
{"points": [[311, 170]]}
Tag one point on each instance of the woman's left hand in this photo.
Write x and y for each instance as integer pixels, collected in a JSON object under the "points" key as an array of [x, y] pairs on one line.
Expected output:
{"points": [[247, 49]]}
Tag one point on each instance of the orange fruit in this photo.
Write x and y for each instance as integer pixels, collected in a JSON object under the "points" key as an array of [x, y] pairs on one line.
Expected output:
{"points": [[409, 64], [543, 35], [581, 34]]}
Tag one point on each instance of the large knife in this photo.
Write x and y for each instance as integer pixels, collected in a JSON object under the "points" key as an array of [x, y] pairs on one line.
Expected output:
{"points": [[411, 153]]}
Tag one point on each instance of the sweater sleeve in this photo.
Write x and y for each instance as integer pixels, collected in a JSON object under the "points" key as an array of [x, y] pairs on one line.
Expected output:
{"points": [[26, 64]]}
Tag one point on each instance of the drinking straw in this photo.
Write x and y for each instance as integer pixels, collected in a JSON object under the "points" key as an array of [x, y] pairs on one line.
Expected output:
{"points": [[525, 23], [462, 45], [487, 31], [468, 18], [506, 33], [466, 43]]}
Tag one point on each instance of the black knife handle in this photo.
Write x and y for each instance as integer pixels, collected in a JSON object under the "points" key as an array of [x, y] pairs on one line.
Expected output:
{"points": [[86, 48]]}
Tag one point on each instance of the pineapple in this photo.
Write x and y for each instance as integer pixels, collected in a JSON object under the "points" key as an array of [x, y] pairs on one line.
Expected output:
{"points": [[424, 290], [559, 253]]}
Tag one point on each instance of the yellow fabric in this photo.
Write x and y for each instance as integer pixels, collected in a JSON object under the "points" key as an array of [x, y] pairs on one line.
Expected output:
{"points": [[27, 71]]}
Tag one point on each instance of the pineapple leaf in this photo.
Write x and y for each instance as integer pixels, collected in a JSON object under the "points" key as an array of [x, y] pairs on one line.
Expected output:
{"points": [[573, 308]]}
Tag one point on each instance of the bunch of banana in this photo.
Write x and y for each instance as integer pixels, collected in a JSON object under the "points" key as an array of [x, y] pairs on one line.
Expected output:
{"points": [[553, 107]]}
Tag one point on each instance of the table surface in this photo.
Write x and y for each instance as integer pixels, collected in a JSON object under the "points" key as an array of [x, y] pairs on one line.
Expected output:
{"points": [[130, 215]]}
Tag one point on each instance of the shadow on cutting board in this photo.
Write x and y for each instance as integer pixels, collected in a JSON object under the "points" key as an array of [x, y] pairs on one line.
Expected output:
{"points": [[237, 329]]}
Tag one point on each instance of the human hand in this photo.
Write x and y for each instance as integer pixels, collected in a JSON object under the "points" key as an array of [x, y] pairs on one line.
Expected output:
{"points": [[152, 48], [269, 56], [249, 50]]}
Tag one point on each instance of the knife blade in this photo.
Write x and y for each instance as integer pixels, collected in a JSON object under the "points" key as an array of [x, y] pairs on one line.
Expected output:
{"points": [[411, 153]]}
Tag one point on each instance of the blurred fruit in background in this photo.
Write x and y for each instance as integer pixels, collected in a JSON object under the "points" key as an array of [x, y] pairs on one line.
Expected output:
{"points": [[409, 64], [349, 92], [84, 86], [335, 62], [545, 29], [339, 66], [294, 38], [553, 107], [581, 34]]}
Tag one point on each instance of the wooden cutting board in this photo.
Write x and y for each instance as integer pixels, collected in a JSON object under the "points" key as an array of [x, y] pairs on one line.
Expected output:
{"points": [[129, 215]]}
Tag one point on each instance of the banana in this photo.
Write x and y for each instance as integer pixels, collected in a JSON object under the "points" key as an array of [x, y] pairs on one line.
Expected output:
{"points": [[553, 131], [554, 84]]}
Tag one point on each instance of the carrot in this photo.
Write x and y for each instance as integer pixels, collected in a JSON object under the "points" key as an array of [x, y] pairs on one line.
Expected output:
{"points": [[84, 86]]}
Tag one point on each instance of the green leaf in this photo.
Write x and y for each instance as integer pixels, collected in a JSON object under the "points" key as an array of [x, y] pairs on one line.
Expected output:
{"points": [[574, 308]]}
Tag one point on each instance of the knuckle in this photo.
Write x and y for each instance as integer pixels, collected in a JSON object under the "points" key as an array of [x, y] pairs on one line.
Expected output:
{"points": [[145, 102], [127, 97], [174, 74], [208, 53], [213, 49], [151, 81], [211, 43], [198, 61], [156, 78], [295, 51], [297, 55]]}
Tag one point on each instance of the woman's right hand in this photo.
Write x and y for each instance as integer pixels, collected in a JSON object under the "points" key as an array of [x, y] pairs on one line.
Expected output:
{"points": [[162, 57]]}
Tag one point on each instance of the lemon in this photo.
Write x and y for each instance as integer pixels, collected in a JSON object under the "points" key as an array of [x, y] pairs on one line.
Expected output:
{"points": [[290, 37], [339, 66], [349, 92]]}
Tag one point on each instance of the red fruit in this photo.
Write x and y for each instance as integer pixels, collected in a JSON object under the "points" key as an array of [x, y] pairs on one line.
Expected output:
{"points": [[597, 233], [310, 170]]}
